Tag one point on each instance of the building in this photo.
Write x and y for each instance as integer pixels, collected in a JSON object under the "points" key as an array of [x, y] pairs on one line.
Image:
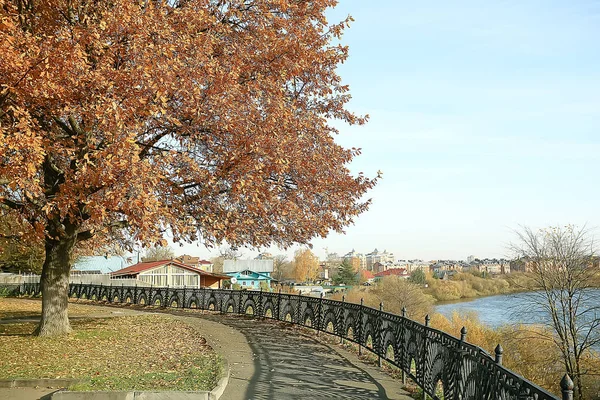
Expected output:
{"points": [[264, 256], [96, 265], [264, 267], [366, 277], [399, 272], [490, 266], [521, 265], [250, 280], [358, 260], [377, 256], [412, 265], [170, 273], [195, 262]]}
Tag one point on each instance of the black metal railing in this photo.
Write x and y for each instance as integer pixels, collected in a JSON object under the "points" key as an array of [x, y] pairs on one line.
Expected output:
{"points": [[428, 356]]}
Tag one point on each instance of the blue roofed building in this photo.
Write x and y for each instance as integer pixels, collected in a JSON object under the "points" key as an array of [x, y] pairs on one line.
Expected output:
{"points": [[250, 280], [89, 265], [249, 274]]}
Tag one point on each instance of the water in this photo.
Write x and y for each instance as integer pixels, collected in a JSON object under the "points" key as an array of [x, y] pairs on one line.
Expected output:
{"points": [[507, 309]]}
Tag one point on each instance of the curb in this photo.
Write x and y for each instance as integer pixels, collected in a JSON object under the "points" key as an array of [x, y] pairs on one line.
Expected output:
{"points": [[217, 392], [32, 383], [214, 394], [64, 394]]}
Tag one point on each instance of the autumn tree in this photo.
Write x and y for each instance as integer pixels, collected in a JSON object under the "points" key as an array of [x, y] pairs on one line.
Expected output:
{"points": [[159, 253], [207, 119], [16, 254], [306, 266], [397, 293], [564, 264]]}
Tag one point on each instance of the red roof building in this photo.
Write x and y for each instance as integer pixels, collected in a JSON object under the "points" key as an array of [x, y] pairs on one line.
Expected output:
{"points": [[366, 276], [170, 273], [400, 272]]}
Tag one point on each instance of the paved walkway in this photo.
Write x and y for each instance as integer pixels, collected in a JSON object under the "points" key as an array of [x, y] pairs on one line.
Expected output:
{"points": [[269, 360]]}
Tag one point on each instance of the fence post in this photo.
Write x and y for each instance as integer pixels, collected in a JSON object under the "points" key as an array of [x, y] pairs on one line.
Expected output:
{"points": [[319, 316], [360, 321], [279, 305], [567, 386], [499, 350], [403, 324], [427, 320], [343, 321], [379, 334]]}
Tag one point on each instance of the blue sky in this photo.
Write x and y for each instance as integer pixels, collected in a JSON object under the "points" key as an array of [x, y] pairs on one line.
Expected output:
{"points": [[483, 116]]}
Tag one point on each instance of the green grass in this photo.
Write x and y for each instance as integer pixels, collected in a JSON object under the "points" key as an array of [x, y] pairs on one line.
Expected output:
{"points": [[201, 377], [144, 352]]}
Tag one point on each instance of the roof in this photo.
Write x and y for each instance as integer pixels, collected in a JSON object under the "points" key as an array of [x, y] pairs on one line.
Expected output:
{"points": [[255, 275], [392, 271], [251, 265], [103, 264], [185, 259], [145, 266], [366, 274]]}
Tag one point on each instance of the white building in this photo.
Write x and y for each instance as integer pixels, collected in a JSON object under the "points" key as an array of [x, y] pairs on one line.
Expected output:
{"points": [[261, 266], [377, 256]]}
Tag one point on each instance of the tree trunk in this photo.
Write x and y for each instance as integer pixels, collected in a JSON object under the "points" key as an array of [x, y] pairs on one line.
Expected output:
{"points": [[55, 287]]}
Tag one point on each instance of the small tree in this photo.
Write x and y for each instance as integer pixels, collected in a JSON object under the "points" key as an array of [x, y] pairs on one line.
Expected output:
{"points": [[563, 263], [159, 253], [346, 274], [306, 266], [418, 277], [397, 293], [280, 265]]}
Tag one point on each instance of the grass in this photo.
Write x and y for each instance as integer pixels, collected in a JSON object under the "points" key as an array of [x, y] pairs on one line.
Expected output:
{"points": [[147, 352], [15, 308]]}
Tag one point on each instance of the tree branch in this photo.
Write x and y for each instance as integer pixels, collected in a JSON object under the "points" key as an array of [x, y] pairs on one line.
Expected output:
{"points": [[12, 204]]}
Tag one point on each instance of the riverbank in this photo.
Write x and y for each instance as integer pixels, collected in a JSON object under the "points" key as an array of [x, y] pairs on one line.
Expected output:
{"points": [[470, 286], [467, 285]]}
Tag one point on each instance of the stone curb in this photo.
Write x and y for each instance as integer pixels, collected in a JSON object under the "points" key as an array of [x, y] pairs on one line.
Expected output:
{"points": [[63, 394], [32, 383], [214, 394], [217, 392]]}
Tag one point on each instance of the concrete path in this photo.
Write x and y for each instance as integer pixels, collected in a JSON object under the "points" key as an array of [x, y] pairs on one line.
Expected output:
{"points": [[270, 360]]}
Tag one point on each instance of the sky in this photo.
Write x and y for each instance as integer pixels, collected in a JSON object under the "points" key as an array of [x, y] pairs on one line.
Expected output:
{"points": [[484, 117]]}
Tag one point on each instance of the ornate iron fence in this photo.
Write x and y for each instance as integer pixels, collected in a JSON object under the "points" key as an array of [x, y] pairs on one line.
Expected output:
{"points": [[428, 356]]}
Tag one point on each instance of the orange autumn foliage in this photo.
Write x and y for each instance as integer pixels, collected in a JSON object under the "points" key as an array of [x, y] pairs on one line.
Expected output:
{"points": [[210, 120]]}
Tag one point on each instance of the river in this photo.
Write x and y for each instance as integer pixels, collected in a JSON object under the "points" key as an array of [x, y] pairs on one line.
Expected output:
{"points": [[507, 309]]}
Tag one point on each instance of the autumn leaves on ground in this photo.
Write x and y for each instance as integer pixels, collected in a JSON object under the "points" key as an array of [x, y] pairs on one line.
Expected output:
{"points": [[120, 353]]}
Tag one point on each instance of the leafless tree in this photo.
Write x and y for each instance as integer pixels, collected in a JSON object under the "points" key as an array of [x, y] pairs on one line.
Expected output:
{"points": [[158, 254], [280, 264], [564, 266], [225, 253]]}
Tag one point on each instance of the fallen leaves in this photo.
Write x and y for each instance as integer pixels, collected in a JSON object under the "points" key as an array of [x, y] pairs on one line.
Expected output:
{"points": [[120, 353]]}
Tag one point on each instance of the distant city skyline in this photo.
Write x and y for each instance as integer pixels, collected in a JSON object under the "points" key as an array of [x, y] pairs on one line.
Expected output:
{"points": [[483, 117]]}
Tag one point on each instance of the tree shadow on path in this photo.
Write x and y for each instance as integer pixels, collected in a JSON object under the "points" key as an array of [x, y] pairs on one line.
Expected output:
{"points": [[292, 366]]}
